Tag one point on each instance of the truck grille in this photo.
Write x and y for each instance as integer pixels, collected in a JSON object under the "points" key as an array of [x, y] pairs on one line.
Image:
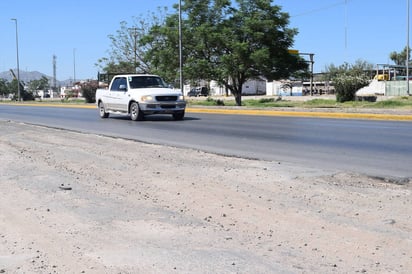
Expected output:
{"points": [[166, 98]]}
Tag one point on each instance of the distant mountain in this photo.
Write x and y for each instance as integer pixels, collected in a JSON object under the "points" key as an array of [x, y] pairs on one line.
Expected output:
{"points": [[27, 76]]}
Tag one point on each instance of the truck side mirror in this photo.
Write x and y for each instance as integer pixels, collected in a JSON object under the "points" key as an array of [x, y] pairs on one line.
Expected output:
{"points": [[122, 88]]}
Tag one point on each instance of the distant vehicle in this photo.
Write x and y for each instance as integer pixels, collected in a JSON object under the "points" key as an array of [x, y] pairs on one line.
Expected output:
{"points": [[138, 95], [198, 91], [381, 77]]}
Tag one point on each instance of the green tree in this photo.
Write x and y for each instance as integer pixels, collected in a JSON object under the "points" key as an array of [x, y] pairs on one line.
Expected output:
{"points": [[37, 85], [399, 58], [112, 66], [359, 67], [24, 94], [127, 52], [163, 55], [4, 88], [13, 89], [255, 43], [230, 43]]}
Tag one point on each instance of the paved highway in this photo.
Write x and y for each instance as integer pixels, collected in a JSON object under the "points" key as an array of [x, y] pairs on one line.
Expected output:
{"points": [[378, 148]]}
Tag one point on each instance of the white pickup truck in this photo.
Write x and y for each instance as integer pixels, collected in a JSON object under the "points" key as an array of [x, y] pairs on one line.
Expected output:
{"points": [[138, 95]]}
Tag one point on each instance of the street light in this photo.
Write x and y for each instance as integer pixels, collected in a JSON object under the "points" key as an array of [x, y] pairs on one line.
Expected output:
{"points": [[18, 66]]}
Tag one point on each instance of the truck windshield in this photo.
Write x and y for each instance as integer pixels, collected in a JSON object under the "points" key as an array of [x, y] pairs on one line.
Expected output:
{"points": [[146, 82]]}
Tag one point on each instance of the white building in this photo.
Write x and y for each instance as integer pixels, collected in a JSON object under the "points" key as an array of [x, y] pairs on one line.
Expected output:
{"points": [[71, 91], [251, 87], [284, 88]]}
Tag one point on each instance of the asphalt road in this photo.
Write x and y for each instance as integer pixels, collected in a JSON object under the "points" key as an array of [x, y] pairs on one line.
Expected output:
{"points": [[377, 148]]}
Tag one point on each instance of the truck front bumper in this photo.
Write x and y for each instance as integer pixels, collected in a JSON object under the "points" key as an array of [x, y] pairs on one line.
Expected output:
{"points": [[162, 107]]}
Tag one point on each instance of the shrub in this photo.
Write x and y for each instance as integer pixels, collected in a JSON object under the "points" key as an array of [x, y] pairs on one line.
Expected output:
{"points": [[266, 100], [89, 92], [210, 99], [347, 85], [218, 102], [27, 96]]}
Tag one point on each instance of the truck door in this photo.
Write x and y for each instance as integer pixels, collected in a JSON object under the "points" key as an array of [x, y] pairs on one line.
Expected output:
{"points": [[123, 95], [118, 91]]}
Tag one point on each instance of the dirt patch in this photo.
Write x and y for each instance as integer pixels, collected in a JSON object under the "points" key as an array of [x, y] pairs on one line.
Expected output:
{"points": [[82, 203]]}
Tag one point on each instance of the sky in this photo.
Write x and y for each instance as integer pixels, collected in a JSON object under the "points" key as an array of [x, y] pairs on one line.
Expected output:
{"points": [[76, 32]]}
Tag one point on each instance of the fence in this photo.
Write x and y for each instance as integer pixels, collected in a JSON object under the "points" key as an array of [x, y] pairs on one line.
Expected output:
{"points": [[396, 88]]}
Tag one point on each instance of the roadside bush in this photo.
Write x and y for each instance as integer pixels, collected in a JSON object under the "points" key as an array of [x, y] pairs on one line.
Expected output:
{"points": [[369, 98], [27, 96], [347, 85], [266, 100], [217, 102], [220, 102], [24, 96], [89, 92]]}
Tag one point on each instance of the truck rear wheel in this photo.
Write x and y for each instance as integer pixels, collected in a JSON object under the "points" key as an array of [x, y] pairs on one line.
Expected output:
{"points": [[102, 111], [135, 113]]}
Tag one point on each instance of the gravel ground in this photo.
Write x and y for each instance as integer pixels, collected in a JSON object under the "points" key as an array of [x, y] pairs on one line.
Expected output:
{"points": [[80, 203]]}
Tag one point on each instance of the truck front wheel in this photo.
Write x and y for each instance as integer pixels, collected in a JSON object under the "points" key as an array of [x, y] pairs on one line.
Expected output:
{"points": [[179, 115], [135, 113]]}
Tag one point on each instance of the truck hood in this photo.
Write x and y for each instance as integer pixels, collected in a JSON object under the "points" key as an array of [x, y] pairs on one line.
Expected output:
{"points": [[155, 91]]}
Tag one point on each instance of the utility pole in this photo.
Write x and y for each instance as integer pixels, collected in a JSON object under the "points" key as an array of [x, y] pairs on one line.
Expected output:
{"points": [[54, 75], [311, 72], [180, 48], [135, 35], [18, 65], [407, 48], [74, 66], [135, 48]]}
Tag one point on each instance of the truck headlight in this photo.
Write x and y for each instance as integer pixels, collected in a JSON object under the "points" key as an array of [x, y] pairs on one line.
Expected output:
{"points": [[147, 98], [181, 98]]}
